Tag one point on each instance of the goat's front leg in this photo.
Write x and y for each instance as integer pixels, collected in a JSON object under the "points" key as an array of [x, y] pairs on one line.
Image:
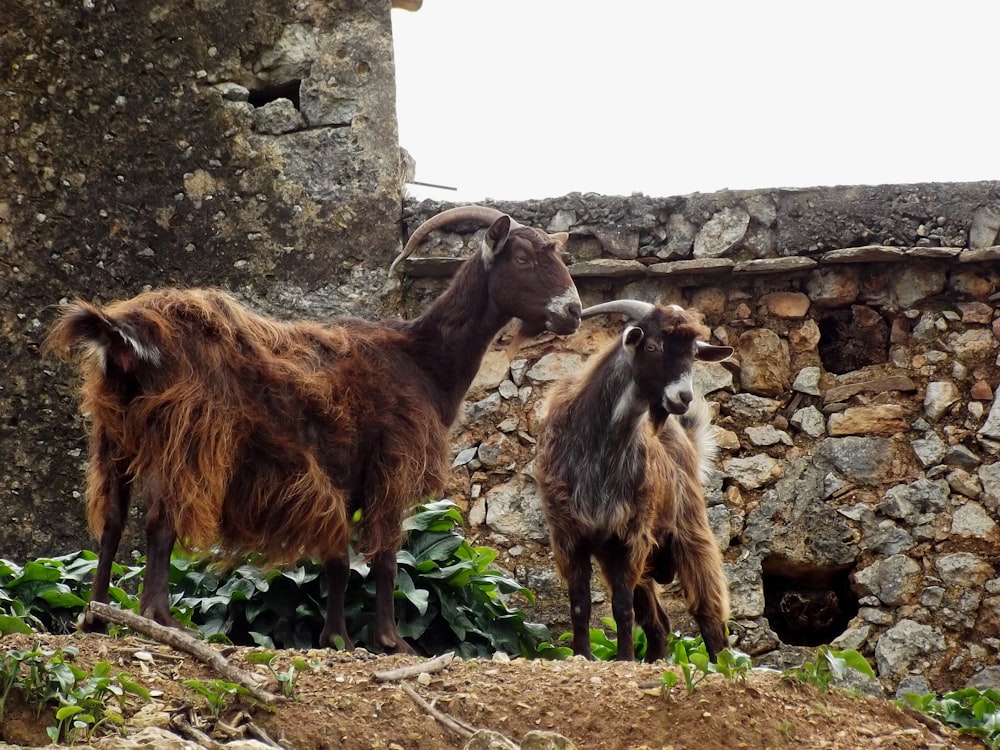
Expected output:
{"points": [[386, 634], [618, 564], [116, 511], [622, 607], [154, 603], [337, 571], [577, 577]]}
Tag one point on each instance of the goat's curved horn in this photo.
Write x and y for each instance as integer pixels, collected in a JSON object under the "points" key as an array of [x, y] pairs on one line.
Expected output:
{"points": [[633, 308], [473, 214]]}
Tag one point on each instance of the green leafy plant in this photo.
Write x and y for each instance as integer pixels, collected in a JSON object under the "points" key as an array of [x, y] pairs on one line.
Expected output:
{"points": [[217, 693], [448, 596], [47, 594], [691, 656], [288, 677], [37, 594], [49, 679], [688, 653], [15, 617], [693, 662], [452, 597], [733, 665], [971, 711], [85, 705], [605, 647], [668, 680], [830, 666]]}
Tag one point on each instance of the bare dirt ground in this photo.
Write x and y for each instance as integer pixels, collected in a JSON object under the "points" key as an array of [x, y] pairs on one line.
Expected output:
{"points": [[598, 706]]}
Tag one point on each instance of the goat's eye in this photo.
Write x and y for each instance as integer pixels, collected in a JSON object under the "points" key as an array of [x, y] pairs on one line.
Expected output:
{"points": [[650, 347], [522, 260]]}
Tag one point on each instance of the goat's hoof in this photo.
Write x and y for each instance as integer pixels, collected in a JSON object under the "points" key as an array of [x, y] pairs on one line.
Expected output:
{"points": [[337, 641], [88, 623], [402, 647], [160, 617], [397, 646]]}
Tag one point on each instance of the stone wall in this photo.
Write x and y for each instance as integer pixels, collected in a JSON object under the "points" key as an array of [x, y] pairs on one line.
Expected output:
{"points": [[253, 146], [249, 145], [859, 486]]}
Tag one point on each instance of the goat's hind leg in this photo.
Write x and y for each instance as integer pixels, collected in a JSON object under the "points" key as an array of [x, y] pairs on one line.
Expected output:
{"points": [[649, 610], [652, 618], [386, 634], [699, 568], [116, 488], [337, 571], [381, 535], [154, 603]]}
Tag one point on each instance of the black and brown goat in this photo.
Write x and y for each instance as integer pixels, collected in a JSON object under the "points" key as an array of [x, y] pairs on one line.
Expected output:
{"points": [[623, 452], [246, 434]]}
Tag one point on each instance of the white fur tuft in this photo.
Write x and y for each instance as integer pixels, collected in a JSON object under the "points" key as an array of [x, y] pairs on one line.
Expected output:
{"points": [[148, 354], [697, 423]]}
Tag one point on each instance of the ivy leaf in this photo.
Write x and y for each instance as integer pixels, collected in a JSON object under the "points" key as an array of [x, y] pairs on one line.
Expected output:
{"points": [[10, 624], [419, 598], [857, 662]]}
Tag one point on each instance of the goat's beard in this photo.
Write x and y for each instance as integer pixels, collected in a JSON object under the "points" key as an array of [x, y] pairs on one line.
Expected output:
{"points": [[525, 331]]}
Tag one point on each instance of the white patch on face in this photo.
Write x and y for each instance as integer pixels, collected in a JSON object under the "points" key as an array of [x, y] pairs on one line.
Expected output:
{"points": [[560, 304], [673, 392]]}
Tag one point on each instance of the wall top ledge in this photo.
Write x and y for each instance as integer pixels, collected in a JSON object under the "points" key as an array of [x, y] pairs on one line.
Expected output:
{"points": [[610, 268]]}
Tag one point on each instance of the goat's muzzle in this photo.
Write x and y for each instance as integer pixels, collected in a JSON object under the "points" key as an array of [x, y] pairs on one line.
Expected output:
{"points": [[676, 399], [567, 322], [564, 313]]}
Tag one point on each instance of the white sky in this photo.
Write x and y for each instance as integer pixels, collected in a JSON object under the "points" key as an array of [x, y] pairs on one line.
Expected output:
{"points": [[519, 99]]}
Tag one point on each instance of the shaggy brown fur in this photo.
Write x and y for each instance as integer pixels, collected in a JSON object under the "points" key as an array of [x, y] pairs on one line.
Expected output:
{"points": [[621, 481], [244, 419], [262, 436]]}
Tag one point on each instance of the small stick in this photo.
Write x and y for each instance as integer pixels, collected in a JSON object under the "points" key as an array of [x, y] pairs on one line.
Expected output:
{"points": [[442, 718], [185, 642], [411, 670], [263, 736], [186, 729], [152, 654]]}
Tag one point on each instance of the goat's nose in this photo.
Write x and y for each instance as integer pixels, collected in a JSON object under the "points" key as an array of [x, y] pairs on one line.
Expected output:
{"points": [[685, 398], [574, 310]]}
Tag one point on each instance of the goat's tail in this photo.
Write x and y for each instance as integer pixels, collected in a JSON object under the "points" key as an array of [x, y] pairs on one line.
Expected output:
{"points": [[109, 340], [697, 423]]}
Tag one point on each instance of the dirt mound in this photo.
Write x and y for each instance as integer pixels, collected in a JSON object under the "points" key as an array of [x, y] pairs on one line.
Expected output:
{"points": [[597, 705]]}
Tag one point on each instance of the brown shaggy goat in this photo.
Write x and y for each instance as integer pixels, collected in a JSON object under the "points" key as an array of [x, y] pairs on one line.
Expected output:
{"points": [[623, 451], [254, 435]]}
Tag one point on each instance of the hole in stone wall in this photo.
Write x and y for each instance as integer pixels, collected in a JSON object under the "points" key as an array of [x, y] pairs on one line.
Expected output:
{"points": [[267, 94], [852, 339], [807, 605]]}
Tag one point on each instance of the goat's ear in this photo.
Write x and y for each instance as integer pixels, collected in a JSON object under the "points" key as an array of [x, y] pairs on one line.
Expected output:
{"points": [[496, 238], [560, 239], [710, 353], [632, 337]]}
